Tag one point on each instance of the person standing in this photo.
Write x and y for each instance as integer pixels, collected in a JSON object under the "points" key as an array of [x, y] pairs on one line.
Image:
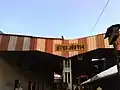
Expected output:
{"points": [[18, 87]]}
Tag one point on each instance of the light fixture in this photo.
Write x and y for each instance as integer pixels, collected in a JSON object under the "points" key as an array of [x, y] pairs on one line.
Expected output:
{"points": [[103, 59], [56, 75], [95, 60]]}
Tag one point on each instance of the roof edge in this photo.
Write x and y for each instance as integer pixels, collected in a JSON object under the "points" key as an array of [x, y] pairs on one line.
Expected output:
{"points": [[47, 37], [30, 36]]}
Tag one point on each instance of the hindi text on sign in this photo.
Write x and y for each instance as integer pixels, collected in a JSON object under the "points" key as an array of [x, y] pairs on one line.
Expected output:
{"points": [[69, 47]]}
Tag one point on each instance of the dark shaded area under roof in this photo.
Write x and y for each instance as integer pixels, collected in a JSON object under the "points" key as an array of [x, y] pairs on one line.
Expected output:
{"points": [[35, 61], [86, 65], [41, 63], [107, 83]]}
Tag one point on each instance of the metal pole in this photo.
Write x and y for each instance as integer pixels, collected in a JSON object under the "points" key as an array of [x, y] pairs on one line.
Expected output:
{"points": [[117, 62], [117, 57]]}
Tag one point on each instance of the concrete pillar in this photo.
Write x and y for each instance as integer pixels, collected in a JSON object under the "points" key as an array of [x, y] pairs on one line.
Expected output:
{"points": [[67, 71], [63, 70]]}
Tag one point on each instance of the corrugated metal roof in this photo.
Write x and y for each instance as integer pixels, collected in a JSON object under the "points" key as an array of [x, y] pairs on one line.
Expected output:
{"points": [[22, 43], [108, 72]]}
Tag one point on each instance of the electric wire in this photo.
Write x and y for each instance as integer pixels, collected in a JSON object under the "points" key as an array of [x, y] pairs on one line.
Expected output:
{"points": [[100, 16]]}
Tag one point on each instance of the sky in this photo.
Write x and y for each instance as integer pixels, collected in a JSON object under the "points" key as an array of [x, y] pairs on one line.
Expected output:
{"points": [[56, 18]]}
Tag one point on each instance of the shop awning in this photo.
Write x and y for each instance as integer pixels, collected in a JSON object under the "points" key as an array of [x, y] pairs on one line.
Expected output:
{"points": [[106, 73]]}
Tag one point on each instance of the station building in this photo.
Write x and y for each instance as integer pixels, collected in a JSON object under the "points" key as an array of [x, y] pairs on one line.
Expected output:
{"points": [[34, 60]]}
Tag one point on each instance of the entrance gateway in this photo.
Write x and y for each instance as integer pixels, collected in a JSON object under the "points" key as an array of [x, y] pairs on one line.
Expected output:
{"points": [[67, 72]]}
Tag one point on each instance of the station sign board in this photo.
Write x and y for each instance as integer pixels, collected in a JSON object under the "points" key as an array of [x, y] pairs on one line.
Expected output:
{"points": [[69, 47]]}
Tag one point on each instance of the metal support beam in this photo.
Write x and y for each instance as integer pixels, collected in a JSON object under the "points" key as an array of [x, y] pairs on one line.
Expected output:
{"points": [[67, 71]]}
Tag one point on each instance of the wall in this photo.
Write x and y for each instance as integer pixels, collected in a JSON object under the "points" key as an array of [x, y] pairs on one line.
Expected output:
{"points": [[8, 75]]}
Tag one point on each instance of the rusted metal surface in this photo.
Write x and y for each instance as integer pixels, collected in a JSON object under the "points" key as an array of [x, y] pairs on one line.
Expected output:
{"points": [[118, 43], [100, 41], [65, 53], [72, 53], [83, 41], [25, 43]]}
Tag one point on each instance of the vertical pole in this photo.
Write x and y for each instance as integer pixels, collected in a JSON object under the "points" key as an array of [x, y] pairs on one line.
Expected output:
{"points": [[117, 62], [70, 74], [67, 69], [67, 77], [117, 57], [63, 70], [104, 64]]}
